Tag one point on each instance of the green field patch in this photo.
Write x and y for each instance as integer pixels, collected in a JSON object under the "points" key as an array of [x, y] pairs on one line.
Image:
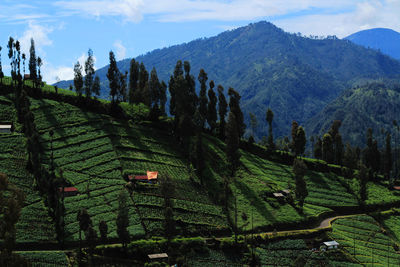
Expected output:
{"points": [[34, 224], [45, 258], [362, 237]]}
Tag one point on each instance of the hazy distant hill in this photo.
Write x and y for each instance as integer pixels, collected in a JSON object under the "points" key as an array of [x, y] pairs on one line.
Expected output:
{"points": [[295, 76], [386, 40], [371, 106]]}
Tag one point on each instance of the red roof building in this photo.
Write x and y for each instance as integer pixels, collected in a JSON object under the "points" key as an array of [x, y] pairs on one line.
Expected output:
{"points": [[396, 187], [150, 177], [69, 191]]}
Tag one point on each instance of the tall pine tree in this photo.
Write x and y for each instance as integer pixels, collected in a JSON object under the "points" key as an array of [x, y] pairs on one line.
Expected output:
{"points": [[203, 96], [89, 71], [234, 106], [1, 69], [133, 81], [32, 61], [113, 77], [78, 79], [222, 110], [212, 108]]}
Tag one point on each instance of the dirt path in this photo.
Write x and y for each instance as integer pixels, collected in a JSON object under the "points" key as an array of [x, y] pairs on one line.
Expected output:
{"points": [[327, 222]]}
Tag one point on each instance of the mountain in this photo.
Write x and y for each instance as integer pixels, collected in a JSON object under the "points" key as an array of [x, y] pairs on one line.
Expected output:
{"points": [[374, 105], [385, 40], [295, 76]]}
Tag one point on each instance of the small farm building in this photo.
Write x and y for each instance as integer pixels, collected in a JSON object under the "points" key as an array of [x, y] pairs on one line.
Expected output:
{"points": [[69, 191], [27, 76], [396, 187], [150, 177], [158, 257], [5, 128], [278, 195], [330, 245], [286, 192]]}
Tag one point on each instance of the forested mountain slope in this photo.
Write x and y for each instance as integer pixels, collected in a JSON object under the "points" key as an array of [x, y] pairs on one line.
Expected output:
{"points": [[294, 76], [370, 106]]}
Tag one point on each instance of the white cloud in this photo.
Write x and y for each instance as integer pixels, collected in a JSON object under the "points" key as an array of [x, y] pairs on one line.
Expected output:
{"points": [[52, 74], [366, 15], [39, 34], [129, 9], [120, 50], [193, 10]]}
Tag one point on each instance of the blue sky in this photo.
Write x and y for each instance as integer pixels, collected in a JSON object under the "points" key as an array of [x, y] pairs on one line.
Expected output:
{"points": [[65, 30]]}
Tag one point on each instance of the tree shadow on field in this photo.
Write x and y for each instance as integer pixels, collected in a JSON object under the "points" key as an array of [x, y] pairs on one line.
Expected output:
{"points": [[57, 127], [255, 200], [317, 178]]}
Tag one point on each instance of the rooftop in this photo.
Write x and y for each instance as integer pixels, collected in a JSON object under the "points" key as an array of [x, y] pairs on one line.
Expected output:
{"points": [[158, 256], [68, 189], [331, 243]]}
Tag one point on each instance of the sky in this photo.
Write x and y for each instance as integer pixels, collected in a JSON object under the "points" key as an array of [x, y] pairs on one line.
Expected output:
{"points": [[64, 30]]}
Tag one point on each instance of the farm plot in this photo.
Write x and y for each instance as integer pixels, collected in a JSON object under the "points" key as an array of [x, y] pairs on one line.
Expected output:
{"points": [[257, 180], [285, 253], [82, 148], [211, 257], [364, 239], [45, 258], [392, 223], [145, 149], [191, 216], [7, 110], [34, 224]]}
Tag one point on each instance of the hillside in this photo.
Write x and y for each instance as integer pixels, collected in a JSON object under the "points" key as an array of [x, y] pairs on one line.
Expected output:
{"points": [[97, 151], [371, 106], [385, 40], [295, 76]]}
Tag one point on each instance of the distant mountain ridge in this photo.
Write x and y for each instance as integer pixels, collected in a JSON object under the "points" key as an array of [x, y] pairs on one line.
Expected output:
{"points": [[294, 76], [386, 40]]}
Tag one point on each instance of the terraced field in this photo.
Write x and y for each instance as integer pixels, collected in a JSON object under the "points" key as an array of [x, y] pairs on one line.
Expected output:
{"points": [[259, 178], [83, 150], [46, 258], [364, 239], [392, 224], [286, 252], [34, 224], [141, 149], [94, 151]]}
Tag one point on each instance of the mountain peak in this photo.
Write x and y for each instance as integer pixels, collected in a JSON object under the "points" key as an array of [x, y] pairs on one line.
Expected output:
{"points": [[384, 39]]}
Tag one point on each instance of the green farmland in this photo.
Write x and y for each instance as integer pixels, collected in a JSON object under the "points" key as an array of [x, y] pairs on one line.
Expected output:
{"points": [[96, 152]]}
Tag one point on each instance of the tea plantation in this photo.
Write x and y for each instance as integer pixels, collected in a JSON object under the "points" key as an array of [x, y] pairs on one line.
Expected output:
{"points": [[96, 152]]}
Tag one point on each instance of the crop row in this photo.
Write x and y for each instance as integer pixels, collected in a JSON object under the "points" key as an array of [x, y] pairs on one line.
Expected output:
{"points": [[190, 206], [364, 237], [157, 213], [138, 154]]}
